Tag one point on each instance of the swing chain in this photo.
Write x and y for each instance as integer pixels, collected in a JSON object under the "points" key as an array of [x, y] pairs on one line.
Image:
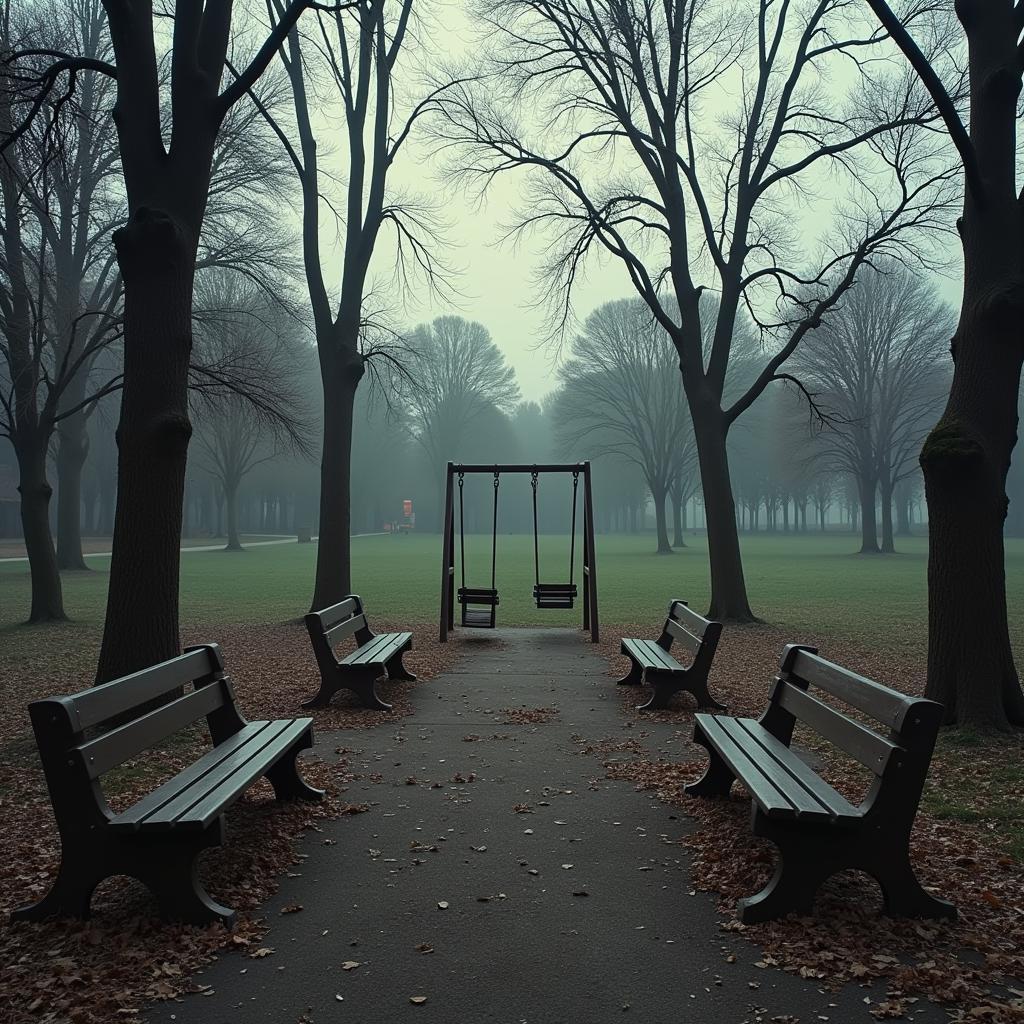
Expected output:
{"points": [[462, 531]]}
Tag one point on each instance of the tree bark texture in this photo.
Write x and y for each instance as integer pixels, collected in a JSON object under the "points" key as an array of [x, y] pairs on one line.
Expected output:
{"points": [[966, 457]]}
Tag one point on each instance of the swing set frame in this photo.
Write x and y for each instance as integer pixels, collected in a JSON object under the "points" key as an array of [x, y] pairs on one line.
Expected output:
{"points": [[579, 471]]}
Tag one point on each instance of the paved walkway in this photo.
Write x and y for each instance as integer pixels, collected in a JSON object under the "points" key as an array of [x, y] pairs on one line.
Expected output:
{"points": [[515, 942], [201, 547]]}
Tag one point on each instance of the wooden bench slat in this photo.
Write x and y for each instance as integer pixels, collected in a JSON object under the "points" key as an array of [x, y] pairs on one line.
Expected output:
{"points": [[336, 612], [679, 632], [873, 751], [343, 630], [108, 700], [661, 659], [770, 797], [380, 649], [690, 619], [367, 653], [883, 704], [651, 655], [803, 775], [204, 801], [130, 819], [115, 747]]}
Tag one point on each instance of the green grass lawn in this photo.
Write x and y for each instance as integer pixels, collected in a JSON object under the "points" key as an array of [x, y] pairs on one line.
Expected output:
{"points": [[811, 583]]}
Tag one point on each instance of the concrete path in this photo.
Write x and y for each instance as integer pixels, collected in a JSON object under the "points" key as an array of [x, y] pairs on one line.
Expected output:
{"points": [[201, 547], [498, 896]]}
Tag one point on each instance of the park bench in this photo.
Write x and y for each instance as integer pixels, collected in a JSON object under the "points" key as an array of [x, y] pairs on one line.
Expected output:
{"points": [[653, 664], [817, 831], [157, 840], [375, 655]]}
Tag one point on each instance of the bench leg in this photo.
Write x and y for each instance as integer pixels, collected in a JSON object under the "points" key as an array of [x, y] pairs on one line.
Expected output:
{"points": [[717, 780], [363, 685], [68, 897], [322, 697], [903, 894], [704, 699], [635, 675], [397, 670], [288, 782], [659, 699], [791, 890], [169, 867]]}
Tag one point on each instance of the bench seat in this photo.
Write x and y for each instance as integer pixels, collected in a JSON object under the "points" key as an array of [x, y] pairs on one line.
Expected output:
{"points": [[197, 796], [380, 650], [781, 784], [650, 655]]}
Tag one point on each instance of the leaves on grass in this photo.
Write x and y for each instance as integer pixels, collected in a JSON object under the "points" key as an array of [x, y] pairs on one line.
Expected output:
{"points": [[125, 957]]}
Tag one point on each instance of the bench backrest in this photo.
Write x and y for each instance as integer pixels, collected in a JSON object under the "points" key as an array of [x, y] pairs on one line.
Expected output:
{"points": [[76, 748], [329, 626], [903, 747], [699, 635]]}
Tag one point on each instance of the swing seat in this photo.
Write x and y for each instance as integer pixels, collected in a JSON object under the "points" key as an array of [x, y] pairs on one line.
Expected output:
{"points": [[481, 617], [554, 595]]}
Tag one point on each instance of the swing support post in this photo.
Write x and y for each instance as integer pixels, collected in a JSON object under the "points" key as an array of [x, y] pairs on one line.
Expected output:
{"points": [[580, 472]]}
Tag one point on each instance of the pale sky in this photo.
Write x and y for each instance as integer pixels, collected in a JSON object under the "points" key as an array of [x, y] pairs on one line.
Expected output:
{"points": [[495, 279]]}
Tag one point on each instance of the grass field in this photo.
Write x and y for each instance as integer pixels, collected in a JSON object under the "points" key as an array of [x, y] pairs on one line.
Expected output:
{"points": [[800, 583], [813, 584]]}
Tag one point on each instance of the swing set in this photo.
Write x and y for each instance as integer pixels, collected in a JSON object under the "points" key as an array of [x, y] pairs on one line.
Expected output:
{"points": [[479, 604]]}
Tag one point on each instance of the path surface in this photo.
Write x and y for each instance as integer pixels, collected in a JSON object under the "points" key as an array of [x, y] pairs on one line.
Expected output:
{"points": [[641, 945], [200, 547]]}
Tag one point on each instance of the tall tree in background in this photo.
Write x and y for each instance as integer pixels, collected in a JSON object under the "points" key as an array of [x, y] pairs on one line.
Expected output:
{"points": [[167, 134], [604, 105], [73, 197], [966, 457], [360, 48], [262, 414], [49, 340], [874, 367], [460, 375], [620, 392]]}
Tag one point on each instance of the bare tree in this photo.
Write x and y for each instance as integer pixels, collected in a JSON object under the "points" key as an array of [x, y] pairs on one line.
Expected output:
{"points": [[460, 375], [966, 457], [620, 393], [604, 106], [255, 411], [166, 154], [49, 339], [874, 366], [351, 60]]}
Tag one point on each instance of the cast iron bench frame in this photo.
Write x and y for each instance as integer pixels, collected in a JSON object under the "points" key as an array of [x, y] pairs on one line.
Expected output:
{"points": [[375, 655], [653, 664], [158, 839], [817, 831]]}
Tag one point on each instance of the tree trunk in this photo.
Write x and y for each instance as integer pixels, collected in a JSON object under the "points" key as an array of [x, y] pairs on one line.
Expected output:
{"points": [[660, 495], [678, 515], [885, 491], [341, 369], [903, 518], [35, 490], [231, 501], [867, 485], [965, 462], [72, 450], [157, 260], [728, 586]]}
